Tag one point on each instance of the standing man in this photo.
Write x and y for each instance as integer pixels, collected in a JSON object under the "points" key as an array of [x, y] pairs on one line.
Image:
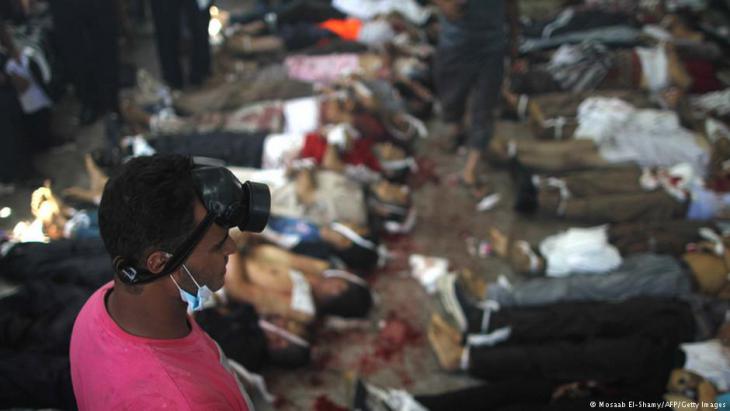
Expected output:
{"points": [[133, 345], [32, 97], [86, 32], [469, 68], [167, 15]]}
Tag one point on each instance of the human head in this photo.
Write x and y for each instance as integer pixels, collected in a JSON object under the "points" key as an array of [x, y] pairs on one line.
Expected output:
{"points": [[338, 296], [352, 244], [149, 208]]}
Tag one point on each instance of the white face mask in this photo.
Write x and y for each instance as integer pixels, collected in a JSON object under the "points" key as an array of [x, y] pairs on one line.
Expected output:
{"points": [[195, 302]]}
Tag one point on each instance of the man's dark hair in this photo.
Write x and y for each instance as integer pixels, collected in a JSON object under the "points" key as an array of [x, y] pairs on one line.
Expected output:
{"points": [[147, 205], [358, 257], [354, 302]]}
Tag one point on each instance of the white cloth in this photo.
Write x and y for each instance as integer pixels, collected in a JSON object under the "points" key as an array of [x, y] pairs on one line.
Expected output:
{"points": [[339, 135], [711, 360], [376, 33], [33, 98], [301, 115], [579, 250], [717, 102], [301, 293], [427, 270], [650, 138], [337, 198], [281, 149], [274, 178], [368, 9], [655, 67]]}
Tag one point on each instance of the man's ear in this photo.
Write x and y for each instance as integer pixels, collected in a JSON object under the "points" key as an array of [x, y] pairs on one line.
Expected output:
{"points": [[156, 261]]}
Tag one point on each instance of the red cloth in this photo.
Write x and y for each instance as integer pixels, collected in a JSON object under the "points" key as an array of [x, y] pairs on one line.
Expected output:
{"points": [[719, 184], [370, 126], [703, 73], [361, 153], [114, 370], [347, 29]]}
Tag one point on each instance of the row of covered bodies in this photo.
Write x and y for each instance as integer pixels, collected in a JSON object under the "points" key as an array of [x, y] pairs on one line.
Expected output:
{"points": [[628, 107]]}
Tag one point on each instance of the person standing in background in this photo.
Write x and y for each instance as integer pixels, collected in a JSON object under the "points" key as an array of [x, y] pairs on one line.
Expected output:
{"points": [[87, 34], [34, 101], [167, 15], [469, 67]]}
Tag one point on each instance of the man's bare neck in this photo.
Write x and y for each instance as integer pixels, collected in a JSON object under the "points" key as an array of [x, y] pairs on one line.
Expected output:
{"points": [[147, 315]]}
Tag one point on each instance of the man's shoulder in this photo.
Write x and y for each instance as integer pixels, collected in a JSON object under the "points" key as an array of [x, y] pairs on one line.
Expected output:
{"points": [[93, 308]]}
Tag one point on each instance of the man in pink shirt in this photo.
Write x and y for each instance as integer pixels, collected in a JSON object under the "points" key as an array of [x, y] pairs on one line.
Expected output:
{"points": [[165, 222]]}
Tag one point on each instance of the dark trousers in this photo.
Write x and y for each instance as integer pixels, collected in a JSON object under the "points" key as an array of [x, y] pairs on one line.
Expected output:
{"points": [[16, 153], [629, 344], [661, 237], [35, 330], [35, 380], [291, 12], [38, 129], [40, 316], [462, 78], [571, 321], [238, 149], [523, 395], [87, 32], [81, 262], [167, 16]]}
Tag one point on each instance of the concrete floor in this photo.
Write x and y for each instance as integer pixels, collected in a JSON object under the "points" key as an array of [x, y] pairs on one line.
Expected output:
{"points": [[446, 217]]}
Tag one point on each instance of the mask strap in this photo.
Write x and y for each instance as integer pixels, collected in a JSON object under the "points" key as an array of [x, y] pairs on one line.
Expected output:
{"points": [[178, 256], [190, 275], [176, 284], [186, 248]]}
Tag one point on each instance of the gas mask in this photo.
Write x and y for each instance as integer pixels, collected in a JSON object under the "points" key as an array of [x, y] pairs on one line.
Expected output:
{"points": [[228, 203]]}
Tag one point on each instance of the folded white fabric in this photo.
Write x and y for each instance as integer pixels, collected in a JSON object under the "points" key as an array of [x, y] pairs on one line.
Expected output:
{"points": [[579, 250]]}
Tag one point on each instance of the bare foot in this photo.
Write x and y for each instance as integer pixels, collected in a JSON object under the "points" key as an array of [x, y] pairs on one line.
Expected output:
{"points": [[500, 242], [446, 343], [476, 285]]}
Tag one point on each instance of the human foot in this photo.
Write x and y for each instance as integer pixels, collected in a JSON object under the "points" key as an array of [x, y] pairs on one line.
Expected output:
{"points": [[475, 284], [445, 341], [500, 242]]}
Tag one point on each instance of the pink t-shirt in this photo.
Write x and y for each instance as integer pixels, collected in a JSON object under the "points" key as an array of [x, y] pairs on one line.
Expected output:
{"points": [[114, 370]]}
